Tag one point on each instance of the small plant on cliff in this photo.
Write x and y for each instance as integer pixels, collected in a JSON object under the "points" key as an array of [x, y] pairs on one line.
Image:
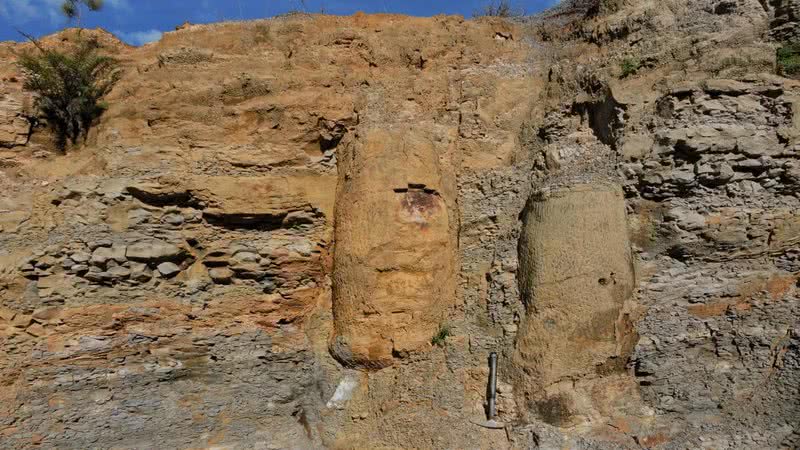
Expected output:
{"points": [[629, 66], [501, 8], [69, 85], [788, 57], [441, 336], [72, 8]]}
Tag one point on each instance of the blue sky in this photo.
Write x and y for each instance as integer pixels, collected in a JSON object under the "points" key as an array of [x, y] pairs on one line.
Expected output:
{"points": [[141, 21]]}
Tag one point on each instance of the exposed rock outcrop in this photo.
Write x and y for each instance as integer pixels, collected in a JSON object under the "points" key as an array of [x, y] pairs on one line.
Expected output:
{"points": [[576, 273], [15, 128], [394, 260], [310, 231]]}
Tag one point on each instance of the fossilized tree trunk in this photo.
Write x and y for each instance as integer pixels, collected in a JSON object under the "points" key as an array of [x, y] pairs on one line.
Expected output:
{"points": [[575, 275], [393, 275]]}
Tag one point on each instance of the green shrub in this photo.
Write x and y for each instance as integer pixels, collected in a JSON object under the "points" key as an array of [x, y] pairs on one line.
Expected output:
{"points": [[501, 8], [788, 57], [441, 336], [72, 8], [629, 66], [69, 85]]}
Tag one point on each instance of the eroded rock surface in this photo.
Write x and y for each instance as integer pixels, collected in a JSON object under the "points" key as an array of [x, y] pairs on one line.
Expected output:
{"points": [[14, 125], [576, 273], [394, 261], [310, 231]]}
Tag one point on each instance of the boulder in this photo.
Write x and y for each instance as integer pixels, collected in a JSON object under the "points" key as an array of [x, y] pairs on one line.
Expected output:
{"points": [[749, 165], [726, 87], [36, 330], [79, 268], [245, 257], [80, 257], [711, 107], [155, 251], [137, 216], [221, 275], [298, 218], [140, 272], [715, 174], [217, 258], [47, 314], [249, 271], [98, 276], [237, 247], [173, 219], [102, 255], [21, 321], [100, 243], [45, 262], [119, 272], [686, 219], [168, 269], [682, 177]]}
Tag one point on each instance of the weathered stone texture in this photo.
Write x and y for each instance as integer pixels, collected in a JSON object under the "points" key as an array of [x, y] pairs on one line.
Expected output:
{"points": [[310, 231], [14, 126], [393, 270], [575, 273], [719, 333]]}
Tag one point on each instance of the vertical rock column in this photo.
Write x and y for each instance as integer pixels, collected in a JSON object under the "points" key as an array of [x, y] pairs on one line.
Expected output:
{"points": [[394, 255], [575, 274]]}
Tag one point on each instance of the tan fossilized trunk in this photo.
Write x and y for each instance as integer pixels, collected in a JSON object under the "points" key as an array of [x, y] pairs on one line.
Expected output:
{"points": [[393, 275], [575, 275]]}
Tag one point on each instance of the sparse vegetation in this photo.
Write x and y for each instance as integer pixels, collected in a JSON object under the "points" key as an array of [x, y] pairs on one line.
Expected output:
{"points": [[629, 66], [69, 86], [72, 8], [788, 57], [500, 8], [441, 336]]}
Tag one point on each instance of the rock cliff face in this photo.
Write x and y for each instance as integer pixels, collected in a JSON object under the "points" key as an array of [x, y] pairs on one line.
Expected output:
{"points": [[310, 231]]}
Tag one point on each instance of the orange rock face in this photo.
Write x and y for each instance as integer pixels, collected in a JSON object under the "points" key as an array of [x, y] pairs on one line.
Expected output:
{"points": [[257, 198]]}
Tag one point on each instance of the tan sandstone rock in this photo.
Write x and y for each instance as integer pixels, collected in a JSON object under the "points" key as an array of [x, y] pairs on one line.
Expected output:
{"points": [[14, 128], [395, 240], [576, 272]]}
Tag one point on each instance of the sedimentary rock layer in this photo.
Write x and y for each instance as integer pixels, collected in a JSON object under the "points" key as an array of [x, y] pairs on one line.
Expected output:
{"points": [[260, 193]]}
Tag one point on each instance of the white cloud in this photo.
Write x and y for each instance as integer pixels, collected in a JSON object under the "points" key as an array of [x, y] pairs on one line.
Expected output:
{"points": [[119, 4], [23, 11], [53, 10], [19, 10], [139, 37]]}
